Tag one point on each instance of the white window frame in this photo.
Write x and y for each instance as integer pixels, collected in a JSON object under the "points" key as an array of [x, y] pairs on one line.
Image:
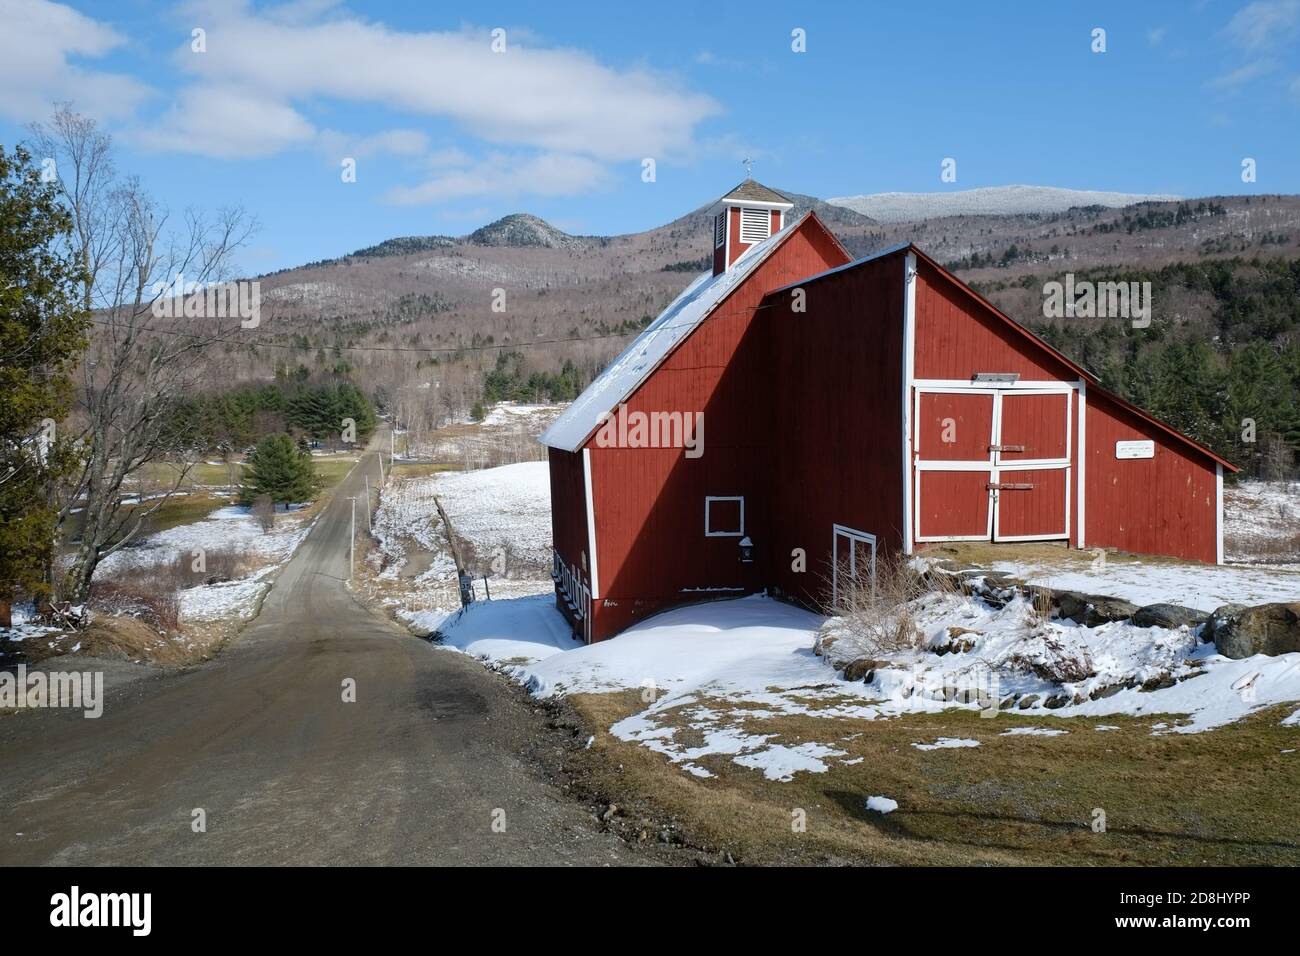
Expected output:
{"points": [[749, 231], [708, 501], [841, 531]]}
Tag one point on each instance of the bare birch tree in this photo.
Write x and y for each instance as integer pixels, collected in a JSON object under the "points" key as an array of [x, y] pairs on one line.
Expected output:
{"points": [[138, 365]]}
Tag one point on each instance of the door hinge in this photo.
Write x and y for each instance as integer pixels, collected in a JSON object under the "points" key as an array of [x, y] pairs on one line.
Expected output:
{"points": [[1019, 448], [1010, 486]]}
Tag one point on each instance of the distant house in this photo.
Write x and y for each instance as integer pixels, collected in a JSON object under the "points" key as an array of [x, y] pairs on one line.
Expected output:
{"points": [[793, 413]]}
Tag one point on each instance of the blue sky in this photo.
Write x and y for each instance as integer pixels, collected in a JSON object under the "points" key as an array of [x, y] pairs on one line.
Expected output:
{"points": [[448, 134]]}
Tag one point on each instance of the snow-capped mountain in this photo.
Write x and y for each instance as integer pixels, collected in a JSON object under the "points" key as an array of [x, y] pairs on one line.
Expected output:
{"points": [[987, 201]]}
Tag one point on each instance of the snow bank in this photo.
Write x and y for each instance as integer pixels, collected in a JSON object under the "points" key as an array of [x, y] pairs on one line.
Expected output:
{"points": [[1201, 586], [705, 670], [232, 528]]}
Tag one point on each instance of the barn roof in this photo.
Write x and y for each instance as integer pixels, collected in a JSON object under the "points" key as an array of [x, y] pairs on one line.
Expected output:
{"points": [[1094, 384], [633, 366]]}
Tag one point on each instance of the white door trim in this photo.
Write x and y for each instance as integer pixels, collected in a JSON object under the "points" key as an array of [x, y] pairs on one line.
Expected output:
{"points": [[591, 525], [909, 373]]}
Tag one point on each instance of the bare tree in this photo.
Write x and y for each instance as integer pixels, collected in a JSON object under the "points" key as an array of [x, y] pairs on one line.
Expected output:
{"points": [[138, 364]]}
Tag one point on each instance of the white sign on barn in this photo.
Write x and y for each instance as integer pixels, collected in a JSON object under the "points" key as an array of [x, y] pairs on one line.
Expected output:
{"points": [[1135, 449]]}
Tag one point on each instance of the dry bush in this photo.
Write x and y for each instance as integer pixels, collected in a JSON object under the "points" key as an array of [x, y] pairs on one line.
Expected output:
{"points": [[263, 511], [1040, 605], [874, 617], [141, 593], [219, 565], [1053, 661]]}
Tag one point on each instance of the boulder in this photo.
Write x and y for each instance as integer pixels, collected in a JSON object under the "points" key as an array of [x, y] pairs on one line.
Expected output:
{"points": [[1271, 629], [1093, 609], [1219, 619], [1168, 615], [863, 669], [1027, 701]]}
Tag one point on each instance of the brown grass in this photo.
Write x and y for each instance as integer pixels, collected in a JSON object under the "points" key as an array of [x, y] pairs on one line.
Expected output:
{"points": [[1223, 797]]}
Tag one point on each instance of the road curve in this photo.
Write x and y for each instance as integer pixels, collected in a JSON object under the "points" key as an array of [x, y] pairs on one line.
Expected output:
{"points": [[415, 771]]}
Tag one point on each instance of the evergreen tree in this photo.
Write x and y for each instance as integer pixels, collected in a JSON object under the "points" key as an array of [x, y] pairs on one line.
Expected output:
{"points": [[42, 331], [280, 470]]}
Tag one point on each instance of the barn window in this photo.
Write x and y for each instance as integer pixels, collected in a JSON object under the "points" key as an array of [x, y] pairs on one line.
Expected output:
{"points": [[724, 516], [720, 230], [755, 225]]}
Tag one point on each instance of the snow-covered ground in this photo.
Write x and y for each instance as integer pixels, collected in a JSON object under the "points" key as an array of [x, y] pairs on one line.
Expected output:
{"points": [[707, 669], [507, 433], [231, 528], [1203, 587], [505, 513]]}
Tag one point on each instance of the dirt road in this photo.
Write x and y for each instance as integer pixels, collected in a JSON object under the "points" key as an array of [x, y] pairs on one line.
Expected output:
{"points": [[417, 770]]}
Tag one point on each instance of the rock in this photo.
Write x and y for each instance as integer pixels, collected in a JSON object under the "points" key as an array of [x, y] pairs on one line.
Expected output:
{"points": [[1220, 618], [1270, 629], [1168, 615], [609, 812], [1093, 609], [1056, 701], [1158, 683], [862, 669], [1108, 691], [823, 644], [1027, 701], [1007, 702], [958, 641]]}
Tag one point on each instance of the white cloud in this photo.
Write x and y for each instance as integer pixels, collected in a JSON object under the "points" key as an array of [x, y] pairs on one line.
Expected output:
{"points": [[226, 122], [1156, 36], [1265, 24], [551, 100], [550, 174], [39, 46], [1235, 79]]}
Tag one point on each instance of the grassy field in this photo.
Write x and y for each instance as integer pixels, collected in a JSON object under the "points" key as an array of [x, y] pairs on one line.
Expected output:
{"points": [[198, 502], [1222, 797], [422, 469]]}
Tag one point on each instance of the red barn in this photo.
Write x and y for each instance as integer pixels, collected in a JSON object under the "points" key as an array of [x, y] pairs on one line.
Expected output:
{"points": [[792, 412]]}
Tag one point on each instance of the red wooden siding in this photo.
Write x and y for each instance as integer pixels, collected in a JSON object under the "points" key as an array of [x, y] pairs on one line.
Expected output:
{"points": [[653, 552], [1038, 511], [953, 504], [954, 427], [1162, 505], [956, 337], [834, 380], [1036, 421]]}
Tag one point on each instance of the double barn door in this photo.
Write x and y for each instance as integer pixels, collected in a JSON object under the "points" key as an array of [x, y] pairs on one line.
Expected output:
{"points": [[992, 463]]}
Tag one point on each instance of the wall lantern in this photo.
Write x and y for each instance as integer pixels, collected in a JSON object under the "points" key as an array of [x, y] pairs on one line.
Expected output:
{"points": [[746, 550]]}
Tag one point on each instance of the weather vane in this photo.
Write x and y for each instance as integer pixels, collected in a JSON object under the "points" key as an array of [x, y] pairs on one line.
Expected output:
{"points": [[749, 168]]}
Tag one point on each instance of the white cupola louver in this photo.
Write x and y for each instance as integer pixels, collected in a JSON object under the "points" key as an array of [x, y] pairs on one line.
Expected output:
{"points": [[755, 225]]}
